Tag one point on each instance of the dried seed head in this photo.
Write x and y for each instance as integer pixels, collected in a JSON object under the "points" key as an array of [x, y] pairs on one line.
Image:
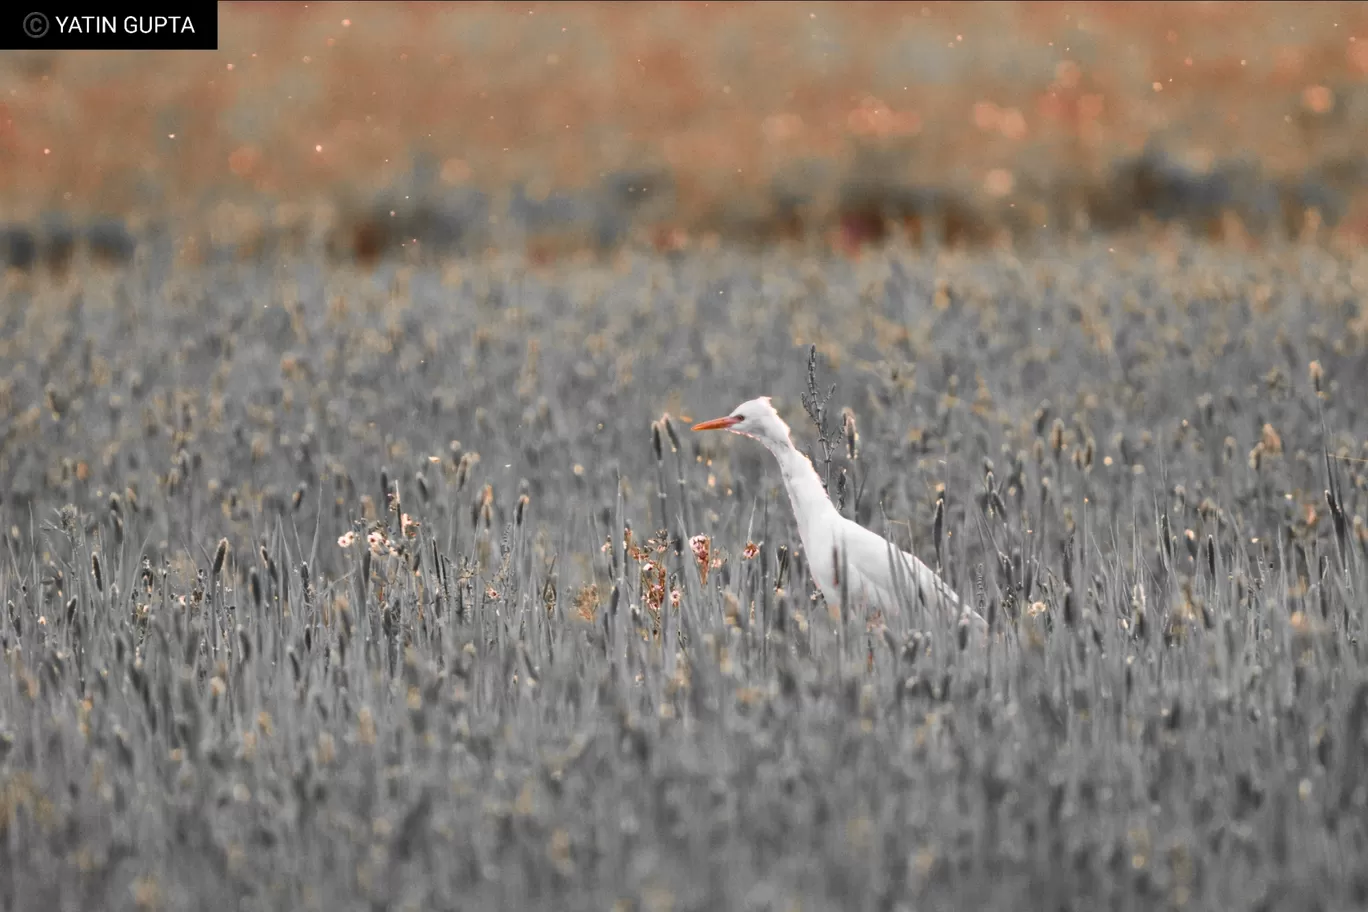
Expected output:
{"points": [[1317, 377], [220, 555], [656, 447], [521, 509], [56, 402], [670, 432], [1042, 418], [852, 433], [1271, 440], [254, 583], [96, 571], [1057, 437], [463, 468]]}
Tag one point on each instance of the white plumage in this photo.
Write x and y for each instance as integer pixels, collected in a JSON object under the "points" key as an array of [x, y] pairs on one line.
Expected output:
{"points": [[877, 569]]}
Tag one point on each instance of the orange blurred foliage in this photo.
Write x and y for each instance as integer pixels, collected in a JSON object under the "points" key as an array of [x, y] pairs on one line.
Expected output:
{"points": [[310, 104]]}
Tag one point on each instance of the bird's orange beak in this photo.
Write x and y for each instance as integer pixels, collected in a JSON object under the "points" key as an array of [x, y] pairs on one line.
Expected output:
{"points": [[717, 424]]}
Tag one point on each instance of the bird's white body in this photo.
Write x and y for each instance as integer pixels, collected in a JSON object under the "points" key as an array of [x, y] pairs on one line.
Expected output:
{"points": [[878, 573]]}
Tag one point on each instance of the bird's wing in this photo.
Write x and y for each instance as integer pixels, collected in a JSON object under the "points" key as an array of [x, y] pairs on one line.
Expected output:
{"points": [[889, 570]]}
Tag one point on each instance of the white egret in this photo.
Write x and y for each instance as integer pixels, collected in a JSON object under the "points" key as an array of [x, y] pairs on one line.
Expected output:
{"points": [[877, 569]]}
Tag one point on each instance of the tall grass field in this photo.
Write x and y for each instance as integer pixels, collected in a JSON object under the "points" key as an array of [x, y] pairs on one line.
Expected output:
{"points": [[411, 589]]}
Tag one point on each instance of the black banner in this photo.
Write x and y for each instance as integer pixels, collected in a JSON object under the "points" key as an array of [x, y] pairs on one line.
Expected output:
{"points": [[119, 26]]}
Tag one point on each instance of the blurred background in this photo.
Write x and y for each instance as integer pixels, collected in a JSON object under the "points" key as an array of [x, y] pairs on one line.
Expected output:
{"points": [[425, 129]]}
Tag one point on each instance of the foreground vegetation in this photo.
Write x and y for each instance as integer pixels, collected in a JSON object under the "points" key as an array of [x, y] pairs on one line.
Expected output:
{"points": [[411, 590]]}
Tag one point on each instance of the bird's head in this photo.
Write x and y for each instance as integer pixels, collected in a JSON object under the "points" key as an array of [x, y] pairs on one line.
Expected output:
{"points": [[755, 418]]}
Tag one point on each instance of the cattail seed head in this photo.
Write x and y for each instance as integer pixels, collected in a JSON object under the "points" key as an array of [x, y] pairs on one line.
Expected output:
{"points": [[852, 433], [254, 583], [1042, 418], [463, 469], [220, 555], [297, 499], [1057, 437], [670, 432], [523, 501], [1271, 440], [1317, 377], [96, 571], [656, 447]]}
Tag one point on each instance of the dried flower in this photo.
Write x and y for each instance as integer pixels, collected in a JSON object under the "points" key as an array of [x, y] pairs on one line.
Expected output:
{"points": [[701, 546], [346, 540], [750, 551], [586, 602], [377, 543]]}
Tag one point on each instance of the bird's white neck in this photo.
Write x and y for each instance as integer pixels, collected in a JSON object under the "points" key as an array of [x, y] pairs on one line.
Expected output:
{"points": [[812, 508]]}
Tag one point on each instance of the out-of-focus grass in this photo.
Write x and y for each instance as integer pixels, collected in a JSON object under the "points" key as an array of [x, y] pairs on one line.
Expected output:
{"points": [[742, 119]]}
